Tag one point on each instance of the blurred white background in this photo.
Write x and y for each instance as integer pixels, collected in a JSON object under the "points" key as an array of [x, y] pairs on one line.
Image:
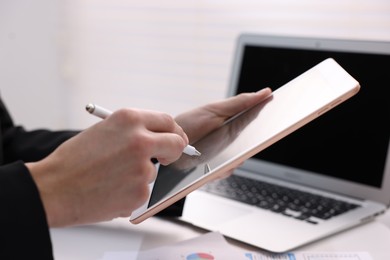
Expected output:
{"points": [[58, 55]]}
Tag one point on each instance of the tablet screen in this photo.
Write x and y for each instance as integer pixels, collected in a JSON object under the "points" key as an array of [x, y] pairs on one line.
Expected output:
{"points": [[217, 148]]}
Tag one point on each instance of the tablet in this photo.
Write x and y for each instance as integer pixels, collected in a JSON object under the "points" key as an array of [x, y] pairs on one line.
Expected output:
{"points": [[288, 108]]}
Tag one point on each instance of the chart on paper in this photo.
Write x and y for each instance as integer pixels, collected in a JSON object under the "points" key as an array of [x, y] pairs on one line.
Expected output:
{"points": [[200, 256]]}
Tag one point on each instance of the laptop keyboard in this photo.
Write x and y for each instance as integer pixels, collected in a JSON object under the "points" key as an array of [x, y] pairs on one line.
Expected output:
{"points": [[301, 205]]}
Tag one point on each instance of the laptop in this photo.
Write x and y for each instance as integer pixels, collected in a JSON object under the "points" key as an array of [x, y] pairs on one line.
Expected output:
{"points": [[320, 179]]}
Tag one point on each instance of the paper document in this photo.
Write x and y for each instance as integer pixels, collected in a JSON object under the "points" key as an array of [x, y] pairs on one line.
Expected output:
{"points": [[213, 246], [209, 246], [311, 256]]}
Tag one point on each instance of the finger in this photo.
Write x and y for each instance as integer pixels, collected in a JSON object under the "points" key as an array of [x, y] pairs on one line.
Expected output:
{"points": [[233, 105], [161, 123], [168, 147], [170, 137], [152, 172]]}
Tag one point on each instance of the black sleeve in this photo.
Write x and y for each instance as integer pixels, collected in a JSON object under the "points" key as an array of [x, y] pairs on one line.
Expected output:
{"points": [[30, 146], [18, 144], [24, 233]]}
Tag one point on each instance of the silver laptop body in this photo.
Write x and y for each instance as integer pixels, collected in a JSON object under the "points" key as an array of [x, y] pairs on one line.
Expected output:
{"points": [[319, 160]]}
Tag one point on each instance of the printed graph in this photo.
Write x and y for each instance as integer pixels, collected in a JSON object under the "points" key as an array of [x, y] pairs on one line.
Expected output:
{"points": [[200, 256]]}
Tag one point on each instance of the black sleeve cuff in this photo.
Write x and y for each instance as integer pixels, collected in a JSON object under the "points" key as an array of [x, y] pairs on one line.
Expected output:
{"points": [[25, 233]]}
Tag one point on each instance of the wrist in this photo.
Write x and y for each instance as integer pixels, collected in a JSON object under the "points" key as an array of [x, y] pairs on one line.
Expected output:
{"points": [[43, 177]]}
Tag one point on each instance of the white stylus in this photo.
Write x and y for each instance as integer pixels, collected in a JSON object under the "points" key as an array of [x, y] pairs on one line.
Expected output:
{"points": [[103, 113]]}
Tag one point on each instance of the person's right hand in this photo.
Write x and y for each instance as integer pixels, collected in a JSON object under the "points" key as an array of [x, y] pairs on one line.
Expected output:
{"points": [[103, 172]]}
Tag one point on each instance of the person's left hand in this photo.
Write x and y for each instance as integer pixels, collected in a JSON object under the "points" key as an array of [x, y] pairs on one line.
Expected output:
{"points": [[198, 122]]}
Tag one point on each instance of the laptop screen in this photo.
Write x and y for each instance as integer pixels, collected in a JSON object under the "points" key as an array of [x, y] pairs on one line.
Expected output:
{"points": [[350, 142]]}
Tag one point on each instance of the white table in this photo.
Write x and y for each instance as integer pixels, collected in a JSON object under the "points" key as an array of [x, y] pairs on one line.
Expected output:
{"points": [[93, 241]]}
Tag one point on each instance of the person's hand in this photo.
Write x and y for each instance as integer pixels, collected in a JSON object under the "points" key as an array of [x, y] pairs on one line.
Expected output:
{"points": [[103, 172], [200, 121]]}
